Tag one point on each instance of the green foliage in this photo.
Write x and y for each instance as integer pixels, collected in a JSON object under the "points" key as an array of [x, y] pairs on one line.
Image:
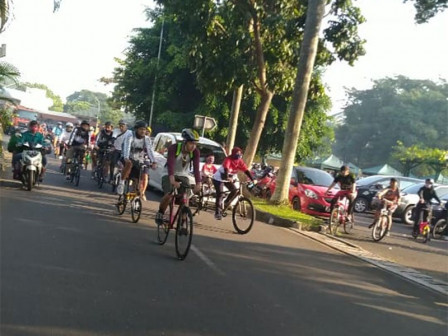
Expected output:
{"points": [[8, 74], [395, 109], [57, 106], [426, 9], [415, 155]]}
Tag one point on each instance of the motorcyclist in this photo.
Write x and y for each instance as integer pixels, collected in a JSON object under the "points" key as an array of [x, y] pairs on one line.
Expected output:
{"points": [[426, 194], [31, 136], [79, 139]]}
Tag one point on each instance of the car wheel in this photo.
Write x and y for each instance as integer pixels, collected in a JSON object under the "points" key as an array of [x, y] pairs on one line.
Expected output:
{"points": [[296, 204], [406, 217], [361, 204]]}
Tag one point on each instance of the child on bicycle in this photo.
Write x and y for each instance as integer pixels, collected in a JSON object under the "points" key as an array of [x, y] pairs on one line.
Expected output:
{"points": [[225, 176], [426, 194], [390, 196], [182, 157], [347, 182]]}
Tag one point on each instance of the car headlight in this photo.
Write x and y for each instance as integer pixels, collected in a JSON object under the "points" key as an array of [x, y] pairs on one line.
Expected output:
{"points": [[310, 194]]}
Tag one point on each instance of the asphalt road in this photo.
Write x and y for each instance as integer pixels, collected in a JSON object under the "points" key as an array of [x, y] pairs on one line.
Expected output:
{"points": [[69, 266]]}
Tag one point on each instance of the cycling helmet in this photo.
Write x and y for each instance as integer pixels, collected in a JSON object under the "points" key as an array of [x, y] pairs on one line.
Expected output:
{"points": [[85, 122], [140, 124], [122, 122], [189, 134], [69, 124], [59, 123], [429, 181]]}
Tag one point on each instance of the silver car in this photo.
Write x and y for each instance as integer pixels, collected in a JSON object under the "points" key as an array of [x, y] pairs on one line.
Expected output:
{"points": [[409, 198]]}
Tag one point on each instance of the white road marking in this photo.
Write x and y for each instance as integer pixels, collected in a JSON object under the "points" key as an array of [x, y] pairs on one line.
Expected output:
{"points": [[206, 260]]}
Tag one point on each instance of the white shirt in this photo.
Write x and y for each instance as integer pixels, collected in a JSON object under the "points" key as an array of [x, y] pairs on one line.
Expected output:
{"points": [[120, 139]]}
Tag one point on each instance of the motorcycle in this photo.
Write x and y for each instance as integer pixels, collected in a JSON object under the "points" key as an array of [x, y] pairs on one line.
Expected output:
{"points": [[264, 178], [31, 164]]}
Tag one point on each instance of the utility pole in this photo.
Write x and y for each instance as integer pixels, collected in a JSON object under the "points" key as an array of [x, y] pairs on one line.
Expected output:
{"points": [[155, 77]]}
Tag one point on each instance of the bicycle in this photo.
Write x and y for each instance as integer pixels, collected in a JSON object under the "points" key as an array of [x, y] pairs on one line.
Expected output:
{"points": [[424, 227], [132, 197], [339, 216], [117, 176], [382, 224], [103, 157], [203, 201], [75, 173], [184, 219], [243, 212]]}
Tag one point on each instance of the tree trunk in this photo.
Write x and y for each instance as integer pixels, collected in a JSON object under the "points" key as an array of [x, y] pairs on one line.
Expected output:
{"points": [[236, 103], [308, 50], [259, 122]]}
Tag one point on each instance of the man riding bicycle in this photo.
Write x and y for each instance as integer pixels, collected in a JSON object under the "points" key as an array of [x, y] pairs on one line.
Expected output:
{"points": [[347, 183], [390, 197], [78, 141], [104, 141], [181, 158], [65, 138], [137, 149], [225, 176], [118, 144], [426, 194]]}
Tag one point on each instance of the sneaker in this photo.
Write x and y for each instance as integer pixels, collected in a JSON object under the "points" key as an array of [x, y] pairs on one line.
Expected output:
{"points": [[218, 216], [388, 234], [159, 218], [120, 188]]}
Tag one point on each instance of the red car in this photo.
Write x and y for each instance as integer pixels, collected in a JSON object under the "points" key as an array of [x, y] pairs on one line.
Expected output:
{"points": [[307, 191]]}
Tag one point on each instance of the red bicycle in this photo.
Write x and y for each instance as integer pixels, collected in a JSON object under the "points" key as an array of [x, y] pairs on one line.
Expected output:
{"points": [[339, 215], [184, 219]]}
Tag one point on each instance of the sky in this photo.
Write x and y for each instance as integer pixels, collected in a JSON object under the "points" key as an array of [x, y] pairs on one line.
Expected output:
{"points": [[71, 49]]}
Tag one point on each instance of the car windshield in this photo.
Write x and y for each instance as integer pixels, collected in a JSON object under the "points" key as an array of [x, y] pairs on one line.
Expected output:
{"points": [[413, 189], [315, 177], [210, 149], [367, 180]]}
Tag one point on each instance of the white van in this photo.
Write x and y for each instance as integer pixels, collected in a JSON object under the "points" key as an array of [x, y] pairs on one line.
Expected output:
{"points": [[160, 145]]}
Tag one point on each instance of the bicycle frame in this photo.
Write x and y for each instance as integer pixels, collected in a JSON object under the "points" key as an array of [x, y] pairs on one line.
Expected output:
{"points": [[184, 202], [425, 225], [238, 194]]}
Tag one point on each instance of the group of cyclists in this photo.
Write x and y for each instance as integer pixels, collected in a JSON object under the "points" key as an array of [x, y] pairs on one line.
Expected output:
{"points": [[132, 149], [389, 197]]}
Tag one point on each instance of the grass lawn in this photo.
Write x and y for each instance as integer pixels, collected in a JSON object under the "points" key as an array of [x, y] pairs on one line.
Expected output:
{"points": [[285, 211]]}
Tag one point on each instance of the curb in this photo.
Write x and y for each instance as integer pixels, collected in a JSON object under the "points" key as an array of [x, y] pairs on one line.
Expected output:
{"points": [[353, 250], [271, 219]]}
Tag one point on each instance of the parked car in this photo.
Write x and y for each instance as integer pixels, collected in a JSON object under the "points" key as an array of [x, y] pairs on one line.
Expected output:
{"points": [[368, 187], [307, 191], [161, 143], [409, 199], [439, 212]]}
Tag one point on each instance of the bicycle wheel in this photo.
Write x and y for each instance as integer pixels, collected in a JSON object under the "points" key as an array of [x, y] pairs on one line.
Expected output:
{"points": [[164, 229], [116, 181], [334, 221], [99, 178], [243, 215], [121, 204], [426, 234], [184, 232], [439, 229], [199, 202], [380, 228], [136, 209]]}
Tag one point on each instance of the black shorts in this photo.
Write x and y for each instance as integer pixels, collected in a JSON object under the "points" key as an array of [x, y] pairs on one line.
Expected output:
{"points": [[167, 187]]}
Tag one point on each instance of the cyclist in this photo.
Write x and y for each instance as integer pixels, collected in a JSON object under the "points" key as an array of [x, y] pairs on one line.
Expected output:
{"points": [[64, 138], [391, 194], [31, 136], [347, 182], [181, 158], [79, 140], [426, 194], [118, 144], [104, 141], [57, 131], [225, 176], [135, 150]]}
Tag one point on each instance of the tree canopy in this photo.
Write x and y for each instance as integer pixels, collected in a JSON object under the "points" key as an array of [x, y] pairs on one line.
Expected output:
{"points": [[426, 9], [414, 112]]}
